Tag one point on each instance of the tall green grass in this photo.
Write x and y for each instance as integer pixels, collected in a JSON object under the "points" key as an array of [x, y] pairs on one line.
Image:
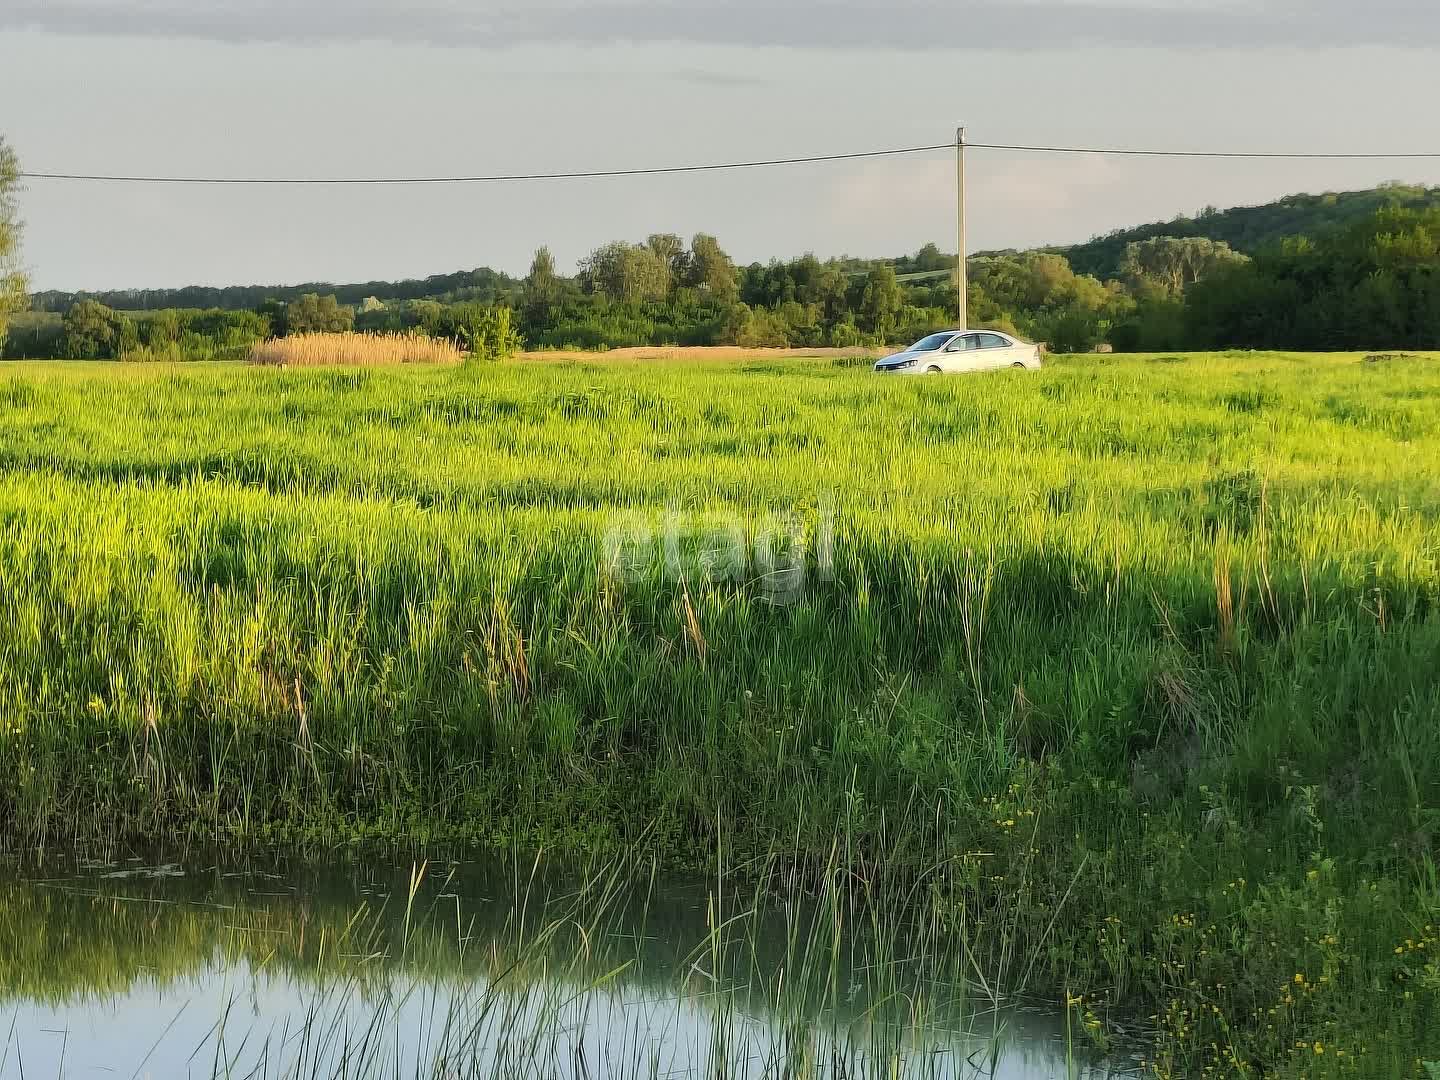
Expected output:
{"points": [[1149, 644]]}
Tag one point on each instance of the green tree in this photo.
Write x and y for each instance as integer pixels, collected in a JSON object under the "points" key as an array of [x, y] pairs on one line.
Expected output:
{"points": [[1175, 263], [644, 274], [92, 332], [1156, 325], [602, 272], [273, 312], [881, 303], [12, 279], [930, 259], [830, 289], [845, 335], [626, 272], [1039, 295], [127, 336], [1074, 329], [315, 314], [161, 329], [542, 291], [428, 317], [712, 271], [542, 282], [761, 329], [670, 249]]}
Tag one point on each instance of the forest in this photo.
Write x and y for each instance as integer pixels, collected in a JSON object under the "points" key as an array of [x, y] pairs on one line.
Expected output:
{"points": [[1341, 271]]}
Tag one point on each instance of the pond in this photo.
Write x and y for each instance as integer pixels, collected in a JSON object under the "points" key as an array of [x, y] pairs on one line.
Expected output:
{"points": [[494, 968]]}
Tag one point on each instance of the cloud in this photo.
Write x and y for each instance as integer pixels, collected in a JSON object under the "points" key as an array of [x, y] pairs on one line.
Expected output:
{"points": [[919, 25]]}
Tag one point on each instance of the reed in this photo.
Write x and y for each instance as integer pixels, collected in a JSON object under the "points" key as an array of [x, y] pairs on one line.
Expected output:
{"points": [[355, 350]]}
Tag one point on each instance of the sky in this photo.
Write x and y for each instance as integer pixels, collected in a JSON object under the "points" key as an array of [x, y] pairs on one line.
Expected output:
{"points": [[377, 87]]}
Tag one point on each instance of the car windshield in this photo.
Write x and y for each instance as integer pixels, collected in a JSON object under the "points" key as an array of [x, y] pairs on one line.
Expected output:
{"points": [[933, 343]]}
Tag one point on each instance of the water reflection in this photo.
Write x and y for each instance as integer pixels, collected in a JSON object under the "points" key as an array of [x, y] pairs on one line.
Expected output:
{"points": [[489, 970]]}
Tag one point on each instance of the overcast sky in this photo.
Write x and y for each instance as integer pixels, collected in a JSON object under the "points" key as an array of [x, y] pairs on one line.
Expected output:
{"points": [[377, 87]]}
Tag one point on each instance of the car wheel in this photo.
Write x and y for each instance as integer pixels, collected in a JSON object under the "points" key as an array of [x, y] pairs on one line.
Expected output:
{"points": [[932, 371], [1020, 366]]}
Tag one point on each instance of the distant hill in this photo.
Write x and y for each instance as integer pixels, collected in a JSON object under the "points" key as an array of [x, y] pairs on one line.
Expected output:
{"points": [[1250, 229]]}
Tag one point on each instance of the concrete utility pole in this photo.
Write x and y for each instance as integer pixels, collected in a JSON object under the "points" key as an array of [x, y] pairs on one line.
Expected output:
{"points": [[962, 275]]}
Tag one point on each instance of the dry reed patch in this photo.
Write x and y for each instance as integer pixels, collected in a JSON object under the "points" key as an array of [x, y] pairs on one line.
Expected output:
{"points": [[358, 350]]}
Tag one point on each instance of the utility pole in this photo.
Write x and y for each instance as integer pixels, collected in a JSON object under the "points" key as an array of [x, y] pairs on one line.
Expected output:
{"points": [[962, 274]]}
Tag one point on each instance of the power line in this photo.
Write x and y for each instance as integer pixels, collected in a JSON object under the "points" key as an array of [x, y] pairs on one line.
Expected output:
{"points": [[1234, 154], [590, 174], [599, 174]]}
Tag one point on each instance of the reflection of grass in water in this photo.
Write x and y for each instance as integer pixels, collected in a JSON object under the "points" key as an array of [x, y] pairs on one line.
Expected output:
{"points": [[829, 982]]}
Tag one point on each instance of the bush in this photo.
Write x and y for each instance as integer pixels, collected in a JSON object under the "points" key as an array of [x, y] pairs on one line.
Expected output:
{"points": [[490, 335], [1072, 331], [1156, 326], [762, 329], [314, 314]]}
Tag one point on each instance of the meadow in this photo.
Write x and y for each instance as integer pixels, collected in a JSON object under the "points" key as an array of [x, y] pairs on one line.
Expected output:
{"points": [[1130, 667]]}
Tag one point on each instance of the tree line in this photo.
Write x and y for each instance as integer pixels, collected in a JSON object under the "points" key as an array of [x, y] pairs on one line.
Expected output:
{"points": [[463, 285], [1374, 285]]}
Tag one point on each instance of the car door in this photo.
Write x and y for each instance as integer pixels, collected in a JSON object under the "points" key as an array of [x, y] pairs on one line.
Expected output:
{"points": [[964, 353], [996, 350]]}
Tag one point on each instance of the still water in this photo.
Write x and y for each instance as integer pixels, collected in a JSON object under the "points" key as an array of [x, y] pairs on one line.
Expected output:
{"points": [[491, 969]]}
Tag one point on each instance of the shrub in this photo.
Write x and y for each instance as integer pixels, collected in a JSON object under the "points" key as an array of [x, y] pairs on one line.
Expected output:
{"points": [[490, 333], [846, 335]]}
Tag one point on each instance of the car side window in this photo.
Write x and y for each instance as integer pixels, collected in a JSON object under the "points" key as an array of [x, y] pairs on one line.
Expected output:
{"points": [[965, 343], [993, 341]]}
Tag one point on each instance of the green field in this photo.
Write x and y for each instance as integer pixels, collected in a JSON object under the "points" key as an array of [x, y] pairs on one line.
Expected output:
{"points": [[1135, 662]]}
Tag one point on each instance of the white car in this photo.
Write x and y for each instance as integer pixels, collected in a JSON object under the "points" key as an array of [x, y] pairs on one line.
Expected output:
{"points": [[962, 350]]}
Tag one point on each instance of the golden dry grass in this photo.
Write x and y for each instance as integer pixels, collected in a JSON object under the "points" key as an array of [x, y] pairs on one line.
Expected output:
{"points": [[359, 350]]}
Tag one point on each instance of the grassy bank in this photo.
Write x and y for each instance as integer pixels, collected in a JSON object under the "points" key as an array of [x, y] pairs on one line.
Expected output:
{"points": [[1142, 651]]}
